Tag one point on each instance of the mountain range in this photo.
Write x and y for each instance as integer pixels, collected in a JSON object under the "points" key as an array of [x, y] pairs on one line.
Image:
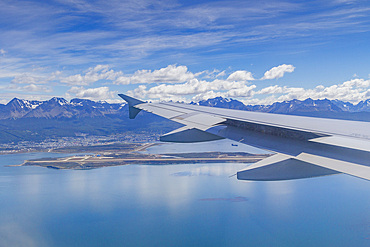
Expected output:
{"points": [[313, 108], [30, 120], [292, 106], [83, 108], [58, 108]]}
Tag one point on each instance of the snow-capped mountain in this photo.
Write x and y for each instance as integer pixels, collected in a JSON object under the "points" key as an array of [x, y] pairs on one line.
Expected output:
{"points": [[57, 108], [83, 108], [292, 106], [17, 108], [363, 106]]}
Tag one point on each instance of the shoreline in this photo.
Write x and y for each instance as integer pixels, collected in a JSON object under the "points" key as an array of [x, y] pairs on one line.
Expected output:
{"points": [[89, 162], [117, 154], [65, 149]]}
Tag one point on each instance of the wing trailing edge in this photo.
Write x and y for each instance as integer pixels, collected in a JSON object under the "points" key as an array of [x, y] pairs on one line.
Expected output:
{"points": [[283, 167]]}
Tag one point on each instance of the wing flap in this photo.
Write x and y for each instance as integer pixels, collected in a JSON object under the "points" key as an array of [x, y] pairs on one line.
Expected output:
{"points": [[343, 141], [188, 135], [285, 167], [337, 165], [282, 167]]}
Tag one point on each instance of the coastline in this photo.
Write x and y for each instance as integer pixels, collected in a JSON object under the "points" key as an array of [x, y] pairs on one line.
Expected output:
{"points": [[133, 153]]}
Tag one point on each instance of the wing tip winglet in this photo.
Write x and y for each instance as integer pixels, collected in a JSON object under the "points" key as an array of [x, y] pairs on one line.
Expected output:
{"points": [[132, 102]]}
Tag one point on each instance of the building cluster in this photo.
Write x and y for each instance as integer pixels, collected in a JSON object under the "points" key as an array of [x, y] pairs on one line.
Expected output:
{"points": [[79, 140]]}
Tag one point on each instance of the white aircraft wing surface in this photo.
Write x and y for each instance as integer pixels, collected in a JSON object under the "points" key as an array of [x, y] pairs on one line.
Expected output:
{"points": [[304, 146]]}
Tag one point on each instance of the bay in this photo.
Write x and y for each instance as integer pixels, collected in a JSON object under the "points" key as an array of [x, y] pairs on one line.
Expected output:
{"points": [[177, 205]]}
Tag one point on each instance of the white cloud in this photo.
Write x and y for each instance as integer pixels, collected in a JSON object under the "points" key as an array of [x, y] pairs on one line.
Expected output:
{"points": [[30, 82], [30, 88], [241, 75], [170, 74], [236, 86], [278, 72], [2, 52], [177, 83], [99, 72], [27, 78], [222, 73], [244, 92], [100, 93], [271, 90], [206, 74], [207, 95], [345, 1], [37, 88], [192, 87], [354, 90], [195, 90]]}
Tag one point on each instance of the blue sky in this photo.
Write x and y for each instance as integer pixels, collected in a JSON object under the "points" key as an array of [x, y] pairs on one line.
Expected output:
{"points": [[255, 51]]}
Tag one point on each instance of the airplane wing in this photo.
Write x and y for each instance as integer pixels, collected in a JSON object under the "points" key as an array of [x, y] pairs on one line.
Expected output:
{"points": [[304, 146]]}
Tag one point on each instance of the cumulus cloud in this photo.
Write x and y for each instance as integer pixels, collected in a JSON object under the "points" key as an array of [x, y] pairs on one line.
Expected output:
{"points": [[241, 75], [244, 92], [100, 93], [99, 72], [271, 90], [177, 83], [194, 86], [354, 90], [2, 52], [237, 86], [170, 74], [196, 89], [278, 72]]}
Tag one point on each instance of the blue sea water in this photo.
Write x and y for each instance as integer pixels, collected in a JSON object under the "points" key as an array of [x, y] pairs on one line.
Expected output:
{"points": [[177, 205]]}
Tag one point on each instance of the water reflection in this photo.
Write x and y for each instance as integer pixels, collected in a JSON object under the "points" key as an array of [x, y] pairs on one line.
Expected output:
{"points": [[177, 205], [18, 235]]}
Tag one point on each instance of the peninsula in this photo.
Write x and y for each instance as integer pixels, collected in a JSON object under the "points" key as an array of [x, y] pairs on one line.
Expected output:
{"points": [[125, 154]]}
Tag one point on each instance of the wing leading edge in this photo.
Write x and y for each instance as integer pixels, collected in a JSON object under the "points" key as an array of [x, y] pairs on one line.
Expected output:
{"points": [[304, 146]]}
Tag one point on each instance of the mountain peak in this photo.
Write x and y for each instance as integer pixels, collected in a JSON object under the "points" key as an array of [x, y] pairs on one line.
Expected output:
{"points": [[14, 101], [22, 103], [60, 101]]}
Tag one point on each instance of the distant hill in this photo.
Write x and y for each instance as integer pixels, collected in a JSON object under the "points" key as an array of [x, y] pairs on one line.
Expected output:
{"points": [[25, 120]]}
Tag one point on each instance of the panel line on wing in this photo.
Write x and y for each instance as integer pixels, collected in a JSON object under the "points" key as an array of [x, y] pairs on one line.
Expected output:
{"points": [[317, 130], [346, 142], [337, 165]]}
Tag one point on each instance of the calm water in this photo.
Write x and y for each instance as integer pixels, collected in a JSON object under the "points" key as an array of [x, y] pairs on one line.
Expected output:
{"points": [[177, 205]]}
